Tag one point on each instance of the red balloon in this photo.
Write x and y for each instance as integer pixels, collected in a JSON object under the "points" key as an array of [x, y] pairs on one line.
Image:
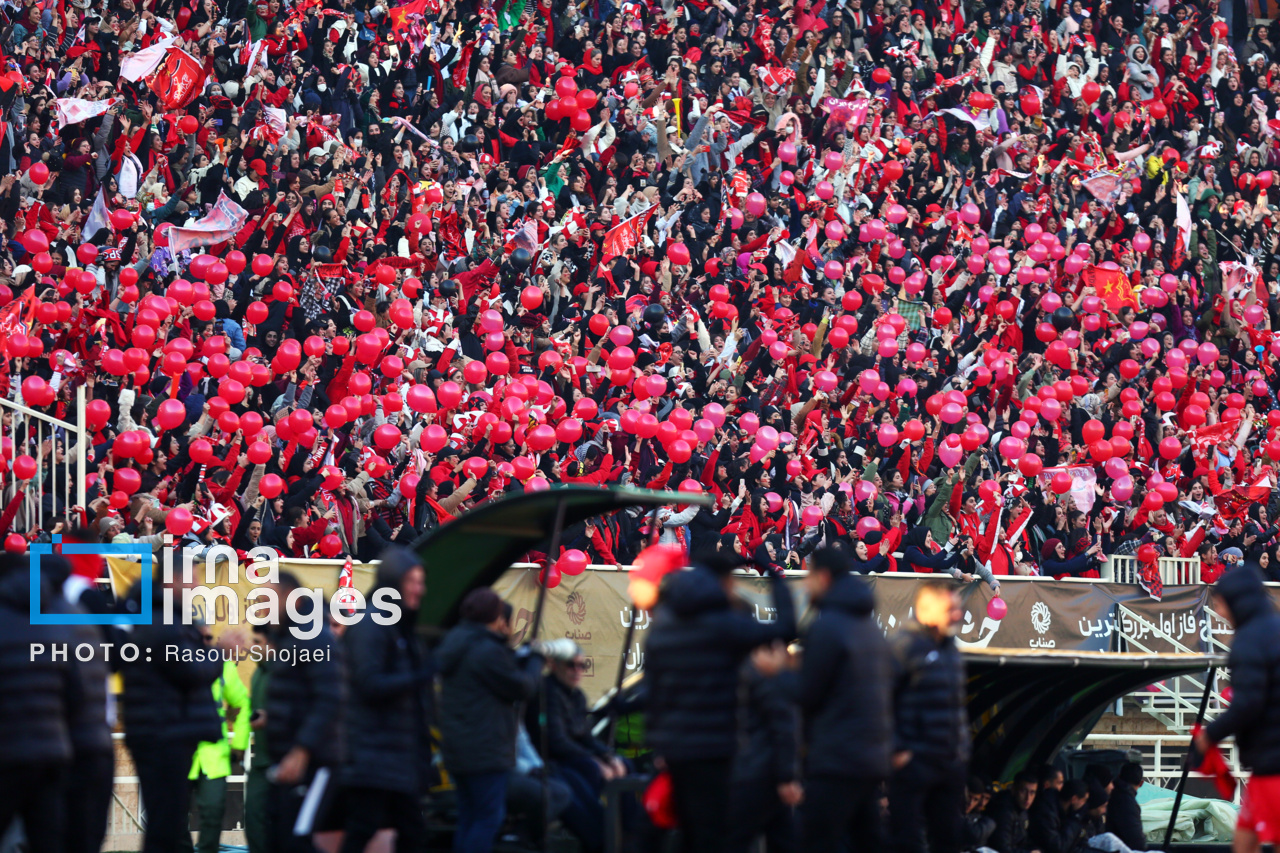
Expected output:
{"points": [[271, 486], [127, 480], [179, 521], [330, 545], [572, 562], [24, 467]]}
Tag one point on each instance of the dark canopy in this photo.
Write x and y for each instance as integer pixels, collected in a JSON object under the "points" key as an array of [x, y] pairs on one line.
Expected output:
{"points": [[1024, 705], [475, 549]]}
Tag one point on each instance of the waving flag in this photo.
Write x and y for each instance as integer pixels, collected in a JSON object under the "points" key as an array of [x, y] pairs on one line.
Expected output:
{"points": [[138, 65], [626, 234], [75, 110], [177, 79], [1112, 285], [219, 225]]}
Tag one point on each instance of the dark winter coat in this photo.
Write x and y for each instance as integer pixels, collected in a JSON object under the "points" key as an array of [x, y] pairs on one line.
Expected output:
{"points": [[929, 696], [389, 705], [569, 738], [770, 731], [167, 698], [1012, 825], [696, 646], [305, 699], [1254, 714], [39, 691], [482, 683], [1124, 816], [845, 685]]}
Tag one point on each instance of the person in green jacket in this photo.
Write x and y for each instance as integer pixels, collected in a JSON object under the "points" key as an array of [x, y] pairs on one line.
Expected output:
{"points": [[212, 763]]}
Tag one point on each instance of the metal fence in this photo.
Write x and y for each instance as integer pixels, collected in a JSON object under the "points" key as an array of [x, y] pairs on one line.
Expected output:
{"points": [[1174, 571], [61, 451]]}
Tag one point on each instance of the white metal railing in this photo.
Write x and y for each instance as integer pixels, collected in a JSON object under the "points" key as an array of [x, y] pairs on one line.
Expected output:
{"points": [[62, 469], [1174, 571]]}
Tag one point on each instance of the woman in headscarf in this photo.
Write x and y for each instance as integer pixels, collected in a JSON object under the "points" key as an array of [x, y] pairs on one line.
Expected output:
{"points": [[1143, 77], [920, 554], [1053, 560]]}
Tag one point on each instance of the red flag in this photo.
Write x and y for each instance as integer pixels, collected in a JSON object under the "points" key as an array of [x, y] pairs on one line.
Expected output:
{"points": [[399, 16], [1213, 764], [626, 234], [177, 79], [1112, 285], [1235, 503]]}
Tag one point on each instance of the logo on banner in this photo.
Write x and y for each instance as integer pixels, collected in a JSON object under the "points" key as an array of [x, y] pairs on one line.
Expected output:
{"points": [[575, 607], [1041, 617]]}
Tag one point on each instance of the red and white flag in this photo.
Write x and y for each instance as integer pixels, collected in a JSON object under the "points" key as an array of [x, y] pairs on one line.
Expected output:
{"points": [[138, 65], [75, 110], [626, 234], [177, 80], [219, 225]]}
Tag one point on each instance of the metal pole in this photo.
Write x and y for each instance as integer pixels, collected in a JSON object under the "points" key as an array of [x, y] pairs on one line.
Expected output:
{"points": [[1186, 763], [82, 439], [556, 532]]}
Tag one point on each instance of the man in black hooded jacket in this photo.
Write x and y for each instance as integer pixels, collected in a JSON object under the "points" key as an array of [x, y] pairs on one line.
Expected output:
{"points": [[844, 694], [1254, 714], [696, 648], [931, 728], [389, 712]]}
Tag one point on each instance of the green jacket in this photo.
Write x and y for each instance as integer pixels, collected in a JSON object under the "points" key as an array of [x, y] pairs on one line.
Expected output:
{"points": [[934, 516], [213, 759]]}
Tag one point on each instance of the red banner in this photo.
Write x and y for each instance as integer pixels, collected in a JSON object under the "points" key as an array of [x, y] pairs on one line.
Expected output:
{"points": [[1112, 285], [177, 80], [626, 235]]}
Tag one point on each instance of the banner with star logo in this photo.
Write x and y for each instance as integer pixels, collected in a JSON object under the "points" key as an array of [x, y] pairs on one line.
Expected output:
{"points": [[1112, 285]]}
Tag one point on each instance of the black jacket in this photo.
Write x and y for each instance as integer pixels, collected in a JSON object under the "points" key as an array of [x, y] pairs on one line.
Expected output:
{"points": [[168, 692], [305, 697], [483, 681], [1012, 827], [696, 646], [39, 692], [569, 738], [389, 705], [771, 728], [844, 689], [1124, 816], [929, 696], [1051, 830], [1254, 714]]}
